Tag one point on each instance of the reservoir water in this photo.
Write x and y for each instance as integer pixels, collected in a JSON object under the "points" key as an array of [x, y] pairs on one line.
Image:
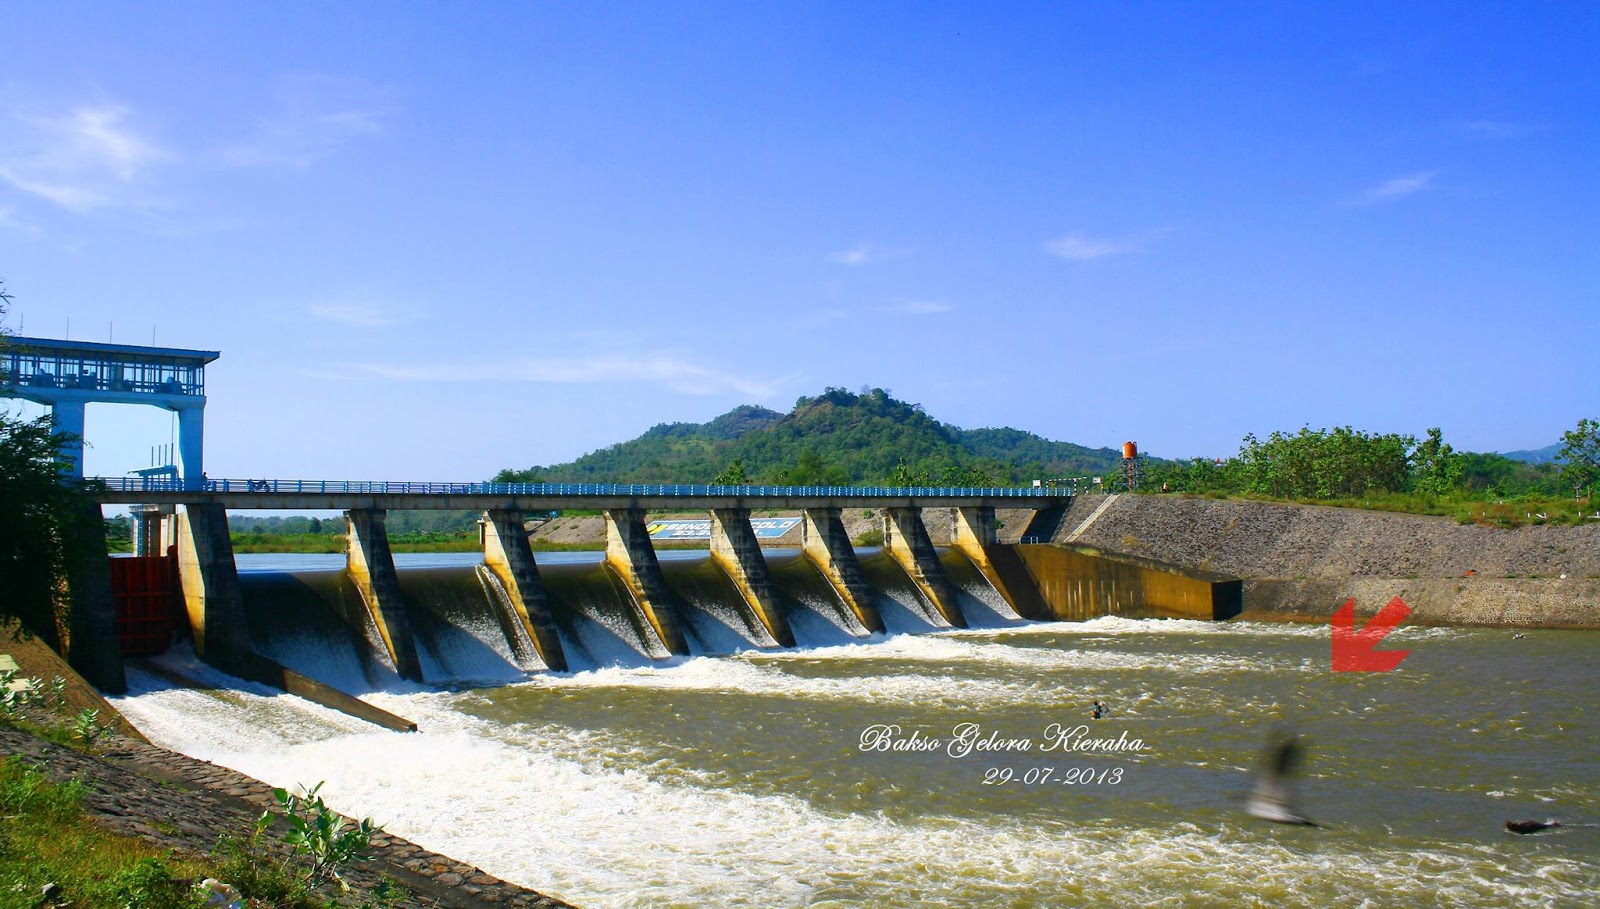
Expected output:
{"points": [[755, 778]]}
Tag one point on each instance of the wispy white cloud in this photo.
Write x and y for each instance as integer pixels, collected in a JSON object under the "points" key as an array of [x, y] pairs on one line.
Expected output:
{"points": [[675, 373], [864, 254], [1397, 188], [918, 307], [317, 115], [358, 314], [1081, 247], [86, 158]]}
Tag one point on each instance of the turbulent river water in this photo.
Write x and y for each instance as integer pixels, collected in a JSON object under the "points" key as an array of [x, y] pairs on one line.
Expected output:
{"points": [[770, 777]]}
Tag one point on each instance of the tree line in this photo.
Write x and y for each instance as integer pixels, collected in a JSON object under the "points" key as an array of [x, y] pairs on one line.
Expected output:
{"points": [[396, 522], [1345, 463]]}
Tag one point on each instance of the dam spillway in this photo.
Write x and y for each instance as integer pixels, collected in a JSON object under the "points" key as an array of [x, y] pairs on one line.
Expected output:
{"points": [[500, 616], [730, 602], [311, 619]]}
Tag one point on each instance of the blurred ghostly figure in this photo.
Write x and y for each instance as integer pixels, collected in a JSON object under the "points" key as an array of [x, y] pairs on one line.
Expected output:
{"points": [[1274, 798], [1531, 826]]}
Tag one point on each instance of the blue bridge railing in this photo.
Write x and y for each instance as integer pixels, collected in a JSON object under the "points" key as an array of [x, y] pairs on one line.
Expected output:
{"points": [[573, 490]]}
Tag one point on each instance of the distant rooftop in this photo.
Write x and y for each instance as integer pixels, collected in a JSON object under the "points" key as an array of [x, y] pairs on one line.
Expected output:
{"points": [[131, 353], [50, 371]]}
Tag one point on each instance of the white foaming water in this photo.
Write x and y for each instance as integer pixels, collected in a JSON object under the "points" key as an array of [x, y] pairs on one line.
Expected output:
{"points": [[739, 674], [957, 647], [606, 639], [1118, 625], [548, 807], [474, 651], [820, 624], [715, 628]]}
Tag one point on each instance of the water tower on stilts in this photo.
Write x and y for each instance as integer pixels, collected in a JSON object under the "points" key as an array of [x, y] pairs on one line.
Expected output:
{"points": [[1130, 464]]}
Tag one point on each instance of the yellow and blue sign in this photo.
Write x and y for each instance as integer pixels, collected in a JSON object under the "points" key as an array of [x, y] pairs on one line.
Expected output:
{"points": [[765, 528]]}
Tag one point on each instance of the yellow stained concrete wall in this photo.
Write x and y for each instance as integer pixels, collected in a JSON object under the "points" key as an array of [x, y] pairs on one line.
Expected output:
{"points": [[905, 539], [506, 553], [1079, 584], [735, 549], [370, 564], [828, 546], [631, 556]]}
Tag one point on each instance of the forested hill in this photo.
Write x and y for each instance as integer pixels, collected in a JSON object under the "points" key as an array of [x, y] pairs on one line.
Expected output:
{"points": [[836, 438]]}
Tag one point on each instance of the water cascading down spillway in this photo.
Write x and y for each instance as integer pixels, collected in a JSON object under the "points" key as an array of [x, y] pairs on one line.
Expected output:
{"points": [[626, 607]]}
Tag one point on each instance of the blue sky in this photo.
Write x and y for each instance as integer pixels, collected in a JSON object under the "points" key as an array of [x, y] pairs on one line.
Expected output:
{"points": [[434, 240]]}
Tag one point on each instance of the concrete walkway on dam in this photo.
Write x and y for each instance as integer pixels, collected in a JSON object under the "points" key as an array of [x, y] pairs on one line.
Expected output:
{"points": [[1301, 562]]}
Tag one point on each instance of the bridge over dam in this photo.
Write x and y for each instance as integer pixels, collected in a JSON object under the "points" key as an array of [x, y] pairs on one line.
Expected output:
{"points": [[543, 631]]}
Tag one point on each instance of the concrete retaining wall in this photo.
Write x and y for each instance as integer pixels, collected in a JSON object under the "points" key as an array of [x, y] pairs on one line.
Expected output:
{"points": [[1081, 584]]}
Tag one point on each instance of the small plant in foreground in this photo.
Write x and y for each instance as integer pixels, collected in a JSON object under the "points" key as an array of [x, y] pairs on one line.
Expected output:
{"points": [[16, 693], [320, 834], [386, 893], [86, 728], [55, 696], [247, 868]]}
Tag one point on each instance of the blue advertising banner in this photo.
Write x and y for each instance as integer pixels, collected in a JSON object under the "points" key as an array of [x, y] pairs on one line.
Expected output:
{"points": [[765, 528]]}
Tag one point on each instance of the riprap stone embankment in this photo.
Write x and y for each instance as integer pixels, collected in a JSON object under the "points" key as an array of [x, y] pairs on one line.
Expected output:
{"points": [[1301, 562]]}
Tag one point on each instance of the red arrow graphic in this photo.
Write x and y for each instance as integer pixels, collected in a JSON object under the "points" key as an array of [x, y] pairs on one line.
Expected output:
{"points": [[1354, 651]]}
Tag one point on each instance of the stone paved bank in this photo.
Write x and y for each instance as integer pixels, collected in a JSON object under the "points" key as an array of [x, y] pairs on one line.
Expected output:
{"points": [[1301, 562], [180, 803]]}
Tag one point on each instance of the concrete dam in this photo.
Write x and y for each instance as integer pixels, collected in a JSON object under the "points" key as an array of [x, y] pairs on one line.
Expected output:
{"points": [[330, 633], [465, 629]]}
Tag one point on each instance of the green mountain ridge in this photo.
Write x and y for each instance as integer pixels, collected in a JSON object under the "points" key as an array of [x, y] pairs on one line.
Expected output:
{"points": [[835, 438]]}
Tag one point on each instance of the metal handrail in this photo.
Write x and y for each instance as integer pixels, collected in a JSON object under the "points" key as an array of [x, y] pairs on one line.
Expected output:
{"points": [[572, 490]]}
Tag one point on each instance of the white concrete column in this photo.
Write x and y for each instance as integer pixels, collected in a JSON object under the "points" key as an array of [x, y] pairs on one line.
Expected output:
{"points": [[191, 444], [67, 417]]}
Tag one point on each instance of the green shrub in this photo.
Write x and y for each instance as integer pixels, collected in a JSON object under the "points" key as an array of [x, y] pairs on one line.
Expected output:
{"points": [[320, 834], [247, 868], [150, 884], [24, 789]]}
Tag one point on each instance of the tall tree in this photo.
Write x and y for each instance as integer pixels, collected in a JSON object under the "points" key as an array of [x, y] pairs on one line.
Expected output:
{"points": [[1436, 468], [733, 475], [1581, 451], [38, 519]]}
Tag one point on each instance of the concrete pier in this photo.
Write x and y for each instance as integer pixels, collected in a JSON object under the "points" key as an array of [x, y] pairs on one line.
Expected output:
{"points": [[734, 547], [975, 537], [507, 554], [370, 562], [94, 648], [211, 595], [826, 544], [633, 558], [66, 424], [906, 540]]}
